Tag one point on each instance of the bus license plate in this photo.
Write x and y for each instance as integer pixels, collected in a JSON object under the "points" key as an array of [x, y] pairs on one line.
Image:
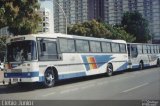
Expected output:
{"points": [[15, 79]]}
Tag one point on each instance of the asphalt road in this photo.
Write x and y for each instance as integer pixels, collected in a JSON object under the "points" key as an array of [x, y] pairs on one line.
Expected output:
{"points": [[135, 85]]}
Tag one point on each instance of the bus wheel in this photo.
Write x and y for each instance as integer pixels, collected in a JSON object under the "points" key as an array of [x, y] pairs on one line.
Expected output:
{"points": [[109, 70], [158, 63], [49, 78], [141, 66]]}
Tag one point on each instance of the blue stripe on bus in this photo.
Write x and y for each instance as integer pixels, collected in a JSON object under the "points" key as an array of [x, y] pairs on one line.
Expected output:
{"points": [[41, 78], [137, 65], [71, 75], [146, 65], [21, 75], [123, 67], [66, 76]]}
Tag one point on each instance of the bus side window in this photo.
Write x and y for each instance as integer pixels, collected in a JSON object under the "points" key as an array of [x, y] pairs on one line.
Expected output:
{"points": [[48, 50], [67, 45], [140, 49], [122, 48], [134, 51]]}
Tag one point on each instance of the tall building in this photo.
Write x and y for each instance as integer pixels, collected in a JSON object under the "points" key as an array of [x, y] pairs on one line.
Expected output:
{"points": [[96, 9], [76, 11], [47, 21], [150, 9], [155, 24], [110, 11], [46, 12], [113, 11]]}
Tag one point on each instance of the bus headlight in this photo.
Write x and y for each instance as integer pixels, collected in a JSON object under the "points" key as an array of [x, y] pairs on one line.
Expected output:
{"points": [[29, 74], [5, 75]]}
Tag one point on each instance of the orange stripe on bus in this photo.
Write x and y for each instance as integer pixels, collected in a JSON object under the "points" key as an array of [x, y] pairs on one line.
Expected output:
{"points": [[92, 62]]}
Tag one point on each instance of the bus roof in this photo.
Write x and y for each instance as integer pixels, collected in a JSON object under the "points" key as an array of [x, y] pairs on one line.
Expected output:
{"points": [[142, 43], [57, 35]]}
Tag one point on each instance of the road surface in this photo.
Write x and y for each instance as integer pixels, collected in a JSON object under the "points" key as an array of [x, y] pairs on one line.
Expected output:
{"points": [[134, 85]]}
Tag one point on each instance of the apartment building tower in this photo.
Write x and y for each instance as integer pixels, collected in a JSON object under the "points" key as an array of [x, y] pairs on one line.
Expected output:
{"points": [[109, 11], [150, 9], [46, 26], [75, 12]]}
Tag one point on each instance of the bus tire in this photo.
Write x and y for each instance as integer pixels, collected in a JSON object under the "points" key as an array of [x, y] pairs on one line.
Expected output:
{"points": [[109, 70], [158, 63], [49, 78], [141, 65]]}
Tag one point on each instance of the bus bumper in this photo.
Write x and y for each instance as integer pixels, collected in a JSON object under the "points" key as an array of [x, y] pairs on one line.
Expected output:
{"points": [[16, 80]]}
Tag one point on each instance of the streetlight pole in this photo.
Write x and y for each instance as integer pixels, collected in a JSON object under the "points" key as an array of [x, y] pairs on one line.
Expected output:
{"points": [[63, 13]]}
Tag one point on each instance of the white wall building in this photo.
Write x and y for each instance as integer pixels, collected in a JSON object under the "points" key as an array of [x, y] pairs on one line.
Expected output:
{"points": [[76, 11], [47, 8], [47, 25]]}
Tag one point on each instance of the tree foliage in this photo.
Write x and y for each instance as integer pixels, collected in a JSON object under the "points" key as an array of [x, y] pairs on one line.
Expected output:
{"points": [[2, 18], [90, 28], [2, 46], [21, 16], [101, 30], [135, 24], [119, 33]]}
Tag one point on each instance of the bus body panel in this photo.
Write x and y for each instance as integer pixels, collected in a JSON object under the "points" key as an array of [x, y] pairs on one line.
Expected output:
{"points": [[149, 57], [22, 72], [72, 66], [76, 65], [68, 65]]}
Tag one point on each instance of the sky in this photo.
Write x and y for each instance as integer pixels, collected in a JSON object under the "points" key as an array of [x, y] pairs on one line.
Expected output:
{"points": [[47, 4]]}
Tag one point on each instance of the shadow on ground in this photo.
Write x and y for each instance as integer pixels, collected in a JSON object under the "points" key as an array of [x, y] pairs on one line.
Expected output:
{"points": [[26, 87]]}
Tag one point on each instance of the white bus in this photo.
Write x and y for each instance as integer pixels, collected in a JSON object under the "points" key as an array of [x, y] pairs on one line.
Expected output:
{"points": [[143, 55], [50, 57]]}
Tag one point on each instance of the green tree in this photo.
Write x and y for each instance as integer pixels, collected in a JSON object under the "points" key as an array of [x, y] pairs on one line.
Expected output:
{"points": [[90, 28], [21, 16], [122, 34], [77, 29], [2, 18], [2, 46], [135, 24], [101, 30], [119, 33]]}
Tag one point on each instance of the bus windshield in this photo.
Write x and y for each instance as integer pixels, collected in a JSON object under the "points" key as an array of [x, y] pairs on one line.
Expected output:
{"points": [[21, 51]]}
